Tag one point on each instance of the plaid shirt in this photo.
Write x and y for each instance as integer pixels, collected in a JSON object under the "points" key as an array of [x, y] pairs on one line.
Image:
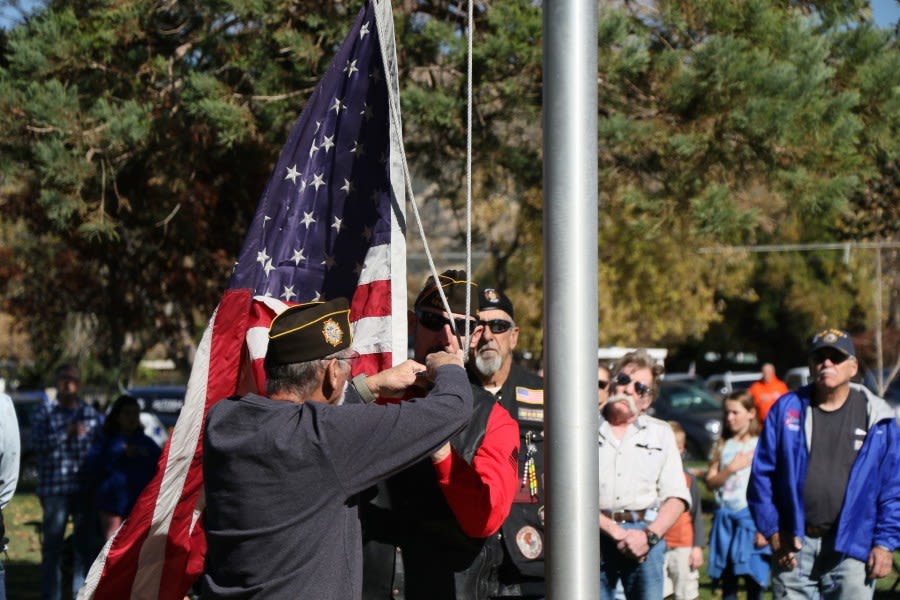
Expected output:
{"points": [[62, 455]]}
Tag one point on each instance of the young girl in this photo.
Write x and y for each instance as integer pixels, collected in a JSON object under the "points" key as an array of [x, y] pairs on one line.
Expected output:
{"points": [[735, 547], [122, 461]]}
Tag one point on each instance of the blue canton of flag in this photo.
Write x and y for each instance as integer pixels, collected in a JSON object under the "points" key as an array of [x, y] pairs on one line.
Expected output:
{"points": [[328, 200]]}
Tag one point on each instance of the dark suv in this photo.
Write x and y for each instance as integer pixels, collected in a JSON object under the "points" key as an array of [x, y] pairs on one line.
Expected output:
{"points": [[165, 401]]}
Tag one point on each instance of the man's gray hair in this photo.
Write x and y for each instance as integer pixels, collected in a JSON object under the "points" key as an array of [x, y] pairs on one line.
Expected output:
{"points": [[642, 360], [302, 378]]}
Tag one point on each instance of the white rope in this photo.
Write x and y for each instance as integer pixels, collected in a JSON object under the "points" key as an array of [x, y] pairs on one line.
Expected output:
{"points": [[415, 206], [471, 34]]}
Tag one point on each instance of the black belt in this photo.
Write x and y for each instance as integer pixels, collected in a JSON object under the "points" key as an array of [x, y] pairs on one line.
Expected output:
{"points": [[626, 516], [817, 532]]}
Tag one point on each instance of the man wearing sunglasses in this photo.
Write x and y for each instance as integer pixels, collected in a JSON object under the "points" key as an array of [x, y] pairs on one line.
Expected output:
{"points": [[825, 484], [430, 531], [642, 485], [521, 393]]}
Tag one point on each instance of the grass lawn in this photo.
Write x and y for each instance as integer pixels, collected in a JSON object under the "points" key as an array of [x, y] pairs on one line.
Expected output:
{"points": [[23, 518]]}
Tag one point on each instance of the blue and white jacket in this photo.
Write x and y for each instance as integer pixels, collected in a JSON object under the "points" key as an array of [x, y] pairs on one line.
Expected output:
{"points": [[870, 514]]}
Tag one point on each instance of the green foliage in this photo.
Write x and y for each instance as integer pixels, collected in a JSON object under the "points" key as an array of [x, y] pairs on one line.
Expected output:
{"points": [[137, 137]]}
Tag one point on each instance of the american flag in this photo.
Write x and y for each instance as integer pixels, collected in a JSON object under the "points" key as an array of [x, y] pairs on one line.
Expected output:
{"points": [[329, 224]]}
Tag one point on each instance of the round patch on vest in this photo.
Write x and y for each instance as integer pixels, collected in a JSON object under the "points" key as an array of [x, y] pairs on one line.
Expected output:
{"points": [[529, 542]]}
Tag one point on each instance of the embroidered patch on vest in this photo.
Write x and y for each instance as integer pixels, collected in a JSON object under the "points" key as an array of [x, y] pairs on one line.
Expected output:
{"points": [[529, 396], [529, 542]]}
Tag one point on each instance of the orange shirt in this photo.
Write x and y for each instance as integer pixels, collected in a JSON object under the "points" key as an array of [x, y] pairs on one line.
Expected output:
{"points": [[681, 534], [765, 393]]}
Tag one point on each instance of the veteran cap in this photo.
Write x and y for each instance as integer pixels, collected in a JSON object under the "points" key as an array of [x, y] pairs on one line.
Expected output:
{"points": [[454, 284], [833, 338], [494, 299], [309, 331]]}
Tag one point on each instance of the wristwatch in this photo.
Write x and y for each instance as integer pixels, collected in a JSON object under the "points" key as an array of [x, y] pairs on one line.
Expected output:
{"points": [[652, 538]]}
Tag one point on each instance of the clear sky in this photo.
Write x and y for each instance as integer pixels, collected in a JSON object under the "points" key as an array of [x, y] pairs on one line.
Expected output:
{"points": [[886, 12]]}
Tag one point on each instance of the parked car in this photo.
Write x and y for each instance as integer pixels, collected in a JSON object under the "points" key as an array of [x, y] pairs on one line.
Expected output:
{"points": [[164, 401], [27, 403], [696, 410], [154, 428], [797, 377], [689, 378], [722, 384]]}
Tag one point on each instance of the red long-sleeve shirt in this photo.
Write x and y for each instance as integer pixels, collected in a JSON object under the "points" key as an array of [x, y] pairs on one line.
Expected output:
{"points": [[481, 494]]}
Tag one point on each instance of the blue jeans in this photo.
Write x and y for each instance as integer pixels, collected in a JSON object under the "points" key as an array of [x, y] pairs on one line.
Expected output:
{"points": [[84, 540], [822, 573], [2, 577], [641, 581]]}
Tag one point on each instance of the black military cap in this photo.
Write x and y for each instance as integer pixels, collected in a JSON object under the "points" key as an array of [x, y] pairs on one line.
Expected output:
{"points": [[494, 299], [454, 284], [309, 331]]}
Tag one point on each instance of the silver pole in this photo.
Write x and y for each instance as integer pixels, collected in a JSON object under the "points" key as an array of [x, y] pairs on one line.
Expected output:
{"points": [[570, 299]]}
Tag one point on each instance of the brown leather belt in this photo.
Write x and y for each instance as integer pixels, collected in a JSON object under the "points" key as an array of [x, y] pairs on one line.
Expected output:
{"points": [[817, 532], [626, 516]]}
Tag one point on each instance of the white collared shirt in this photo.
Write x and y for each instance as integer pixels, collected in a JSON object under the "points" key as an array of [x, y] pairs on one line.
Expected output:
{"points": [[642, 469]]}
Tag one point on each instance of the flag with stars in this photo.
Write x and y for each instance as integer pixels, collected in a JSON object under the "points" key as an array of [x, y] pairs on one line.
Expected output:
{"points": [[329, 224]]}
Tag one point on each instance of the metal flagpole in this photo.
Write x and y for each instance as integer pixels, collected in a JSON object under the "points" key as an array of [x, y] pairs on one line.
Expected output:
{"points": [[572, 564]]}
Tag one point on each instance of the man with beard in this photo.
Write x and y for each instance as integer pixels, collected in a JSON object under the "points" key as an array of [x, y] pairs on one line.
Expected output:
{"points": [[62, 434], [429, 532], [825, 484], [282, 473], [642, 485], [521, 393]]}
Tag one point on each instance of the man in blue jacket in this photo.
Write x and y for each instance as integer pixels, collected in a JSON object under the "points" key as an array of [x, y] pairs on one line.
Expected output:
{"points": [[825, 484]]}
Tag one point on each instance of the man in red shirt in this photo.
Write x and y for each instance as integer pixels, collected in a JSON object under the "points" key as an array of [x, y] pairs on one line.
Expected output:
{"points": [[766, 391], [429, 531]]}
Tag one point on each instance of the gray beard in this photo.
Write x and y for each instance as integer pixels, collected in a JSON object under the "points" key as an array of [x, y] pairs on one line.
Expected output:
{"points": [[488, 367]]}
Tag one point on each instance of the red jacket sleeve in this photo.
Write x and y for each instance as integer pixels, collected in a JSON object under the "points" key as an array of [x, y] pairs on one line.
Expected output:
{"points": [[481, 494]]}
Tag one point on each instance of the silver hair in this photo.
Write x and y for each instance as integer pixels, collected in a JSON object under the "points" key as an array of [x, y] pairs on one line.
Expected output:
{"points": [[302, 378]]}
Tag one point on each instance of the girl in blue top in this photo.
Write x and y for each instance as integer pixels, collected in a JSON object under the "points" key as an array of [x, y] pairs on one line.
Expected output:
{"points": [[735, 547], [122, 461]]}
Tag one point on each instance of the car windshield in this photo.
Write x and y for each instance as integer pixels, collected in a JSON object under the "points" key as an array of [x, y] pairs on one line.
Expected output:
{"points": [[687, 398]]}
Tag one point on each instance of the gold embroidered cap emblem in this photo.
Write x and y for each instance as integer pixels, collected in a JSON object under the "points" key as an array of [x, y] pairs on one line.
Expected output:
{"points": [[332, 332]]}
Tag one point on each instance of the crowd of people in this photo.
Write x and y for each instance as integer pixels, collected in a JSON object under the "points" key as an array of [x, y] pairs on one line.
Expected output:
{"points": [[91, 469], [426, 480]]}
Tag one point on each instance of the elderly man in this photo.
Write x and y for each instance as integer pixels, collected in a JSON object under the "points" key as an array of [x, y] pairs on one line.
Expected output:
{"points": [[430, 531], [282, 473], [521, 393], [825, 484], [642, 485]]}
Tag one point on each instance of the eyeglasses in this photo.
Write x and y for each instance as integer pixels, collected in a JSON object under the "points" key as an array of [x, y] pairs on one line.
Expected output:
{"points": [[435, 322], [497, 325], [622, 380], [835, 356], [602, 384]]}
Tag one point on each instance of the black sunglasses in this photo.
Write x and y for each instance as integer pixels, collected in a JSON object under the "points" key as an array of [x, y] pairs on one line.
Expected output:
{"points": [[602, 384], [835, 356], [497, 325], [623, 380], [435, 322]]}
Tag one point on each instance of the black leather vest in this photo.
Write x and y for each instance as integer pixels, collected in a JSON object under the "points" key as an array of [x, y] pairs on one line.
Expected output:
{"points": [[413, 547]]}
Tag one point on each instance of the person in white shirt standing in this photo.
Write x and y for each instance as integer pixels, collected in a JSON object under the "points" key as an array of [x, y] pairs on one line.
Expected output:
{"points": [[10, 455], [642, 486]]}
